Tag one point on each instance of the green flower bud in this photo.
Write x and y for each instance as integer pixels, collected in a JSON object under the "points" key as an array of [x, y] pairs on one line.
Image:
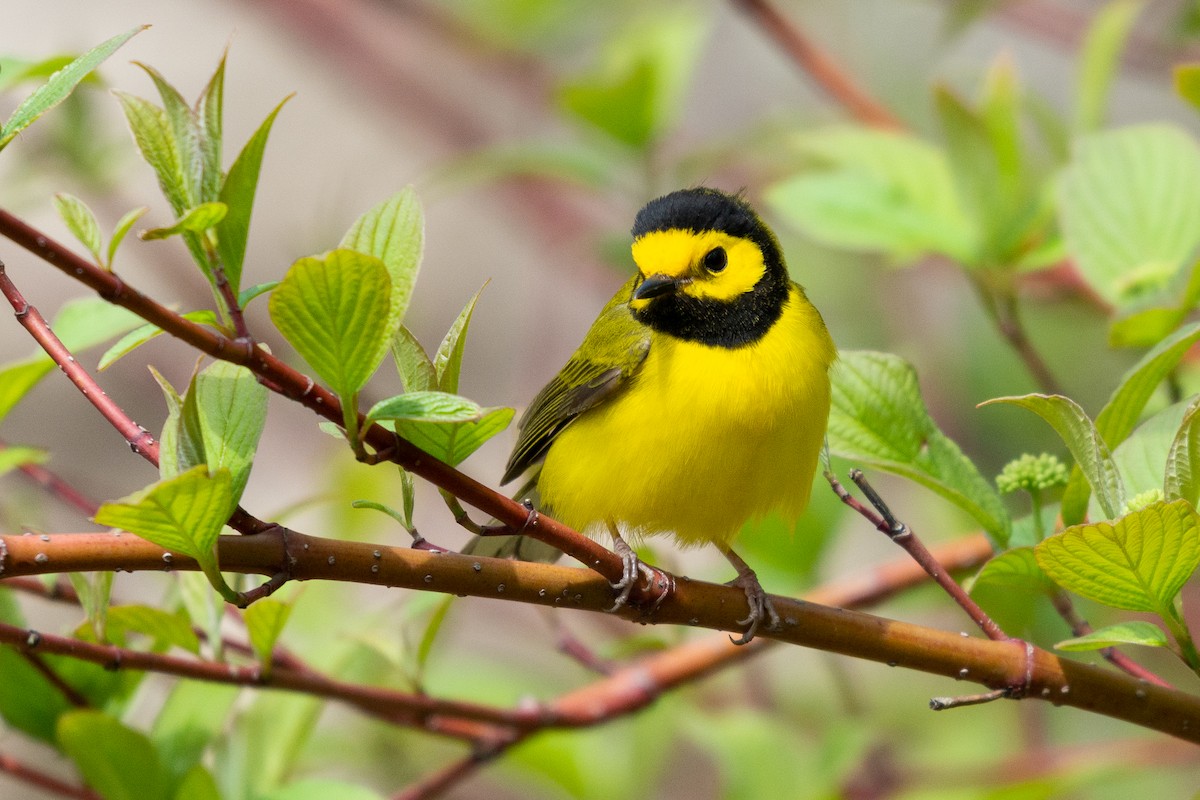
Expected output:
{"points": [[1032, 473]]}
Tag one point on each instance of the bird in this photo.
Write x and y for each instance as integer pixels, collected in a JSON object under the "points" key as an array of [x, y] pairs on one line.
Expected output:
{"points": [[698, 399]]}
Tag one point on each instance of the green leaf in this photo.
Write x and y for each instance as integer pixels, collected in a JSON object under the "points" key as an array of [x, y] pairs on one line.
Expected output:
{"points": [[80, 324], [237, 193], [322, 789], [1100, 58], [1138, 564], [429, 636], [416, 370], [209, 114], [637, 91], [875, 191], [1123, 409], [393, 232], [185, 131], [248, 294], [191, 719], [118, 762], [408, 493], [14, 71], [80, 221], [60, 85], [124, 224], [334, 311], [1082, 439], [1187, 82], [139, 336], [196, 220], [426, 406], [28, 701], [197, 784], [180, 446], [1182, 476], [878, 418], [1137, 632], [15, 457], [1013, 570], [95, 593], [231, 410], [447, 362], [264, 622], [1130, 208], [453, 442], [182, 514], [152, 133], [163, 628]]}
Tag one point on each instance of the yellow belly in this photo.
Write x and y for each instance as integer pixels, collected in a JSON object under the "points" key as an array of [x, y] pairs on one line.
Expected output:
{"points": [[703, 438]]}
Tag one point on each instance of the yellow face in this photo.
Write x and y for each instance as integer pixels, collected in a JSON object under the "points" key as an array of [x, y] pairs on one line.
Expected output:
{"points": [[708, 264]]}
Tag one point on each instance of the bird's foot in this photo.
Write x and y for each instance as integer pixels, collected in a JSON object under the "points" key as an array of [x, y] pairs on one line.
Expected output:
{"points": [[632, 566], [760, 606]]}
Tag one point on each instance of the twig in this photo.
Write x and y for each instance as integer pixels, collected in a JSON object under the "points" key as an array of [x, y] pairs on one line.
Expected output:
{"points": [[835, 81], [67, 690], [1080, 627], [902, 535], [1002, 308], [41, 780]]}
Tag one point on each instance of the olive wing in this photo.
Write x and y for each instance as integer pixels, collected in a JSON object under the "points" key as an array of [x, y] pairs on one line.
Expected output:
{"points": [[610, 354]]}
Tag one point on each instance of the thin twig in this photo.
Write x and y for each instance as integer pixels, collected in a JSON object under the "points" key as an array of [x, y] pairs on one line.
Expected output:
{"points": [[1080, 627], [23, 772], [823, 69]]}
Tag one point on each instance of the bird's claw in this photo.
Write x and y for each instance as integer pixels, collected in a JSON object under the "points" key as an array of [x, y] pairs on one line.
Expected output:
{"points": [[629, 574], [760, 607]]}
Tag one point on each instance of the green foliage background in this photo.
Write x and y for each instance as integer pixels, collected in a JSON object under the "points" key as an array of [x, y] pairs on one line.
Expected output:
{"points": [[532, 131]]}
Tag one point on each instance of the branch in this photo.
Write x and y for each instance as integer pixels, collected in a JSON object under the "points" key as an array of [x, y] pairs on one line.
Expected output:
{"points": [[996, 665], [31, 776], [304, 390], [835, 81]]}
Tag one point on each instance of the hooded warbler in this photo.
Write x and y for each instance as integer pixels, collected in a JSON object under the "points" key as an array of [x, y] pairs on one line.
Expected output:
{"points": [[698, 399]]}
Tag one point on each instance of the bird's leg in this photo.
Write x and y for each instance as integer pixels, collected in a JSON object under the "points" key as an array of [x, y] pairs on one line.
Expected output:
{"points": [[632, 567], [759, 600]]}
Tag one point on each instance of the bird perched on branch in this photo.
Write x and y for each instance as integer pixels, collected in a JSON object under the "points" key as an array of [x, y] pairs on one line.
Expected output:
{"points": [[697, 401]]}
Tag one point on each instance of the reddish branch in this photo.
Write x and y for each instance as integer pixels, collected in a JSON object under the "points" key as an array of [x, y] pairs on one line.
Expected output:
{"points": [[823, 69], [41, 780]]}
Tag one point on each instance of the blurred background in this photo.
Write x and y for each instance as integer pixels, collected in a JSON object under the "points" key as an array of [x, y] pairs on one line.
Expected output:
{"points": [[499, 112]]}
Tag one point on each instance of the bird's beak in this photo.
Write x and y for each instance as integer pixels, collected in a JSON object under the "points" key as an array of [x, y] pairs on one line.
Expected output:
{"points": [[654, 286]]}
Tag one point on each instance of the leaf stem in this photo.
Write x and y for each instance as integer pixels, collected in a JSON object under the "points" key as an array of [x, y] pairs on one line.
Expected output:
{"points": [[1183, 637]]}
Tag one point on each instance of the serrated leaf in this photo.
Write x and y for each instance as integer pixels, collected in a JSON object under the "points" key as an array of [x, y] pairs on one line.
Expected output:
{"points": [[1130, 208], [231, 410], [875, 191], [393, 232], [60, 85], [237, 192], [139, 336], [15, 457], [80, 221], [1016, 569], [1138, 563], [1089, 449], [196, 220], [1138, 632], [1125, 406], [118, 762], [334, 311], [447, 362], [152, 133], [452, 442], [182, 514], [124, 224], [1181, 478], [264, 622], [164, 628], [1100, 59], [878, 418], [438, 407], [80, 325]]}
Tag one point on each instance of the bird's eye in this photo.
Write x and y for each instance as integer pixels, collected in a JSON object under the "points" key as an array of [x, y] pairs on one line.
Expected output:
{"points": [[716, 259]]}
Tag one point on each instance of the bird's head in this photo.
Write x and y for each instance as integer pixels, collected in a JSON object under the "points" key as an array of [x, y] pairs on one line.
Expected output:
{"points": [[711, 270]]}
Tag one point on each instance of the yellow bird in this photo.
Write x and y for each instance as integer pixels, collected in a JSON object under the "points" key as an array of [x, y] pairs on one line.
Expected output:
{"points": [[697, 401]]}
